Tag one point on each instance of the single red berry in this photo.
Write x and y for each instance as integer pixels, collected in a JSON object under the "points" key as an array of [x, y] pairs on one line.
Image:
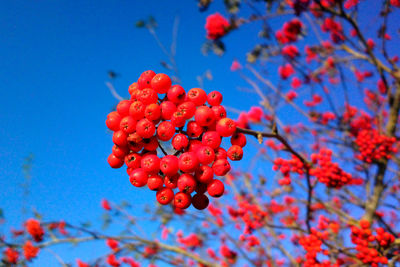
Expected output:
{"points": [[169, 165], [214, 98], [128, 124], [165, 131], [193, 129], [204, 116], [205, 155], [171, 181], [155, 182], [188, 162], [219, 112], [147, 96], [220, 153], [145, 128], [136, 110], [161, 83], [204, 174], [150, 144], [138, 177], [152, 112], [180, 142], [119, 138], [186, 183], [211, 139], [197, 96], [114, 161], [167, 109], [133, 160], [165, 195], [238, 139], [133, 87], [194, 145], [135, 147], [221, 167], [134, 138], [182, 200], [176, 94], [188, 109], [120, 151], [178, 119], [200, 201], [226, 127], [235, 152], [150, 164], [123, 107], [113, 121], [216, 188], [145, 78]]}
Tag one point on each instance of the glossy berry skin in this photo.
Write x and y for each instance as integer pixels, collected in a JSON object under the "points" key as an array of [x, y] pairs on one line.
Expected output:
{"points": [[128, 124], [235, 153], [193, 129], [188, 162], [178, 119], [176, 94], [221, 167], [194, 145], [204, 116], [115, 162], [238, 139], [216, 188], [169, 165], [113, 121], [150, 164], [211, 139], [226, 127], [138, 177], [182, 200], [145, 78], [204, 174], [123, 108], [180, 142], [155, 182], [188, 109], [214, 98], [136, 110], [197, 96], [186, 183], [167, 109], [133, 87], [219, 112], [165, 131], [147, 96], [200, 201], [133, 160], [152, 112], [205, 155], [145, 128], [161, 83], [120, 151], [171, 181], [165, 195], [119, 138], [150, 144]]}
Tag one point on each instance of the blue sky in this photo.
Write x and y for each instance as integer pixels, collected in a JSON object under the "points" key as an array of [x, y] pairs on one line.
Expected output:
{"points": [[54, 58]]}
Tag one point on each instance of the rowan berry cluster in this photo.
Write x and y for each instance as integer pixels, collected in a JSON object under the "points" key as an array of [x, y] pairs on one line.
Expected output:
{"points": [[374, 146], [328, 172], [286, 167], [216, 26], [363, 238], [149, 121]]}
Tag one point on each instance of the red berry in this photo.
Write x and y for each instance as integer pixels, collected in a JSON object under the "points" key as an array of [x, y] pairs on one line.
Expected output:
{"points": [[193, 129], [197, 96], [169, 165], [211, 139], [155, 182], [182, 200], [216, 188], [123, 107], [165, 131], [238, 139], [220, 153], [138, 177], [204, 174], [214, 98], [145, 128], [176, 94], [188, 109], [161, 83], [136, 110], [167, 109], [119, 138], [152, 112], [194, 145], [219, 112], [150, 164], [180, 142], [165, 195], [113, 121], [171, 181], [188, 162], [205, 155], [200, 201], [145, 78], [114, 161], [226, 127], [178, 119], [204, 116], [120, 151], [235, 153], [221, 167], [133, 160], [186, 183], [128, 124], [147, 96], [150, 144]]}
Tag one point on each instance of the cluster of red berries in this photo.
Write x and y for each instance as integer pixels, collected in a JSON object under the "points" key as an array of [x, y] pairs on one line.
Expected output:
{"points": [[328, 172], [362, 237], [289, 32], [374, 146], [144, 122], [216, 26], [286, 167]]}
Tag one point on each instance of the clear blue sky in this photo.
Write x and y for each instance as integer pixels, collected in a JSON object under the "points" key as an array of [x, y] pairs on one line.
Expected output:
{"points": [[54, 58]]}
